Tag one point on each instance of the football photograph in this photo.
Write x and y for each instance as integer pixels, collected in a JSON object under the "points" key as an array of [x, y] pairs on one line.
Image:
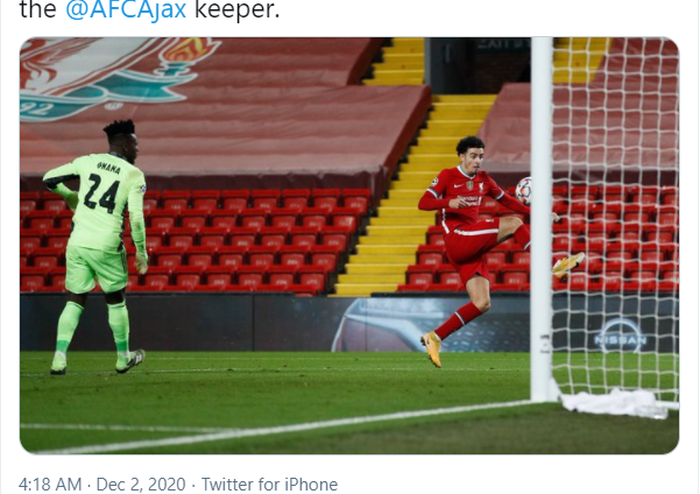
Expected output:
{"points": [[336, 246]]}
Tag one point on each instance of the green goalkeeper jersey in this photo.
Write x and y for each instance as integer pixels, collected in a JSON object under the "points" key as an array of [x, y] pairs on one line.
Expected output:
{"points": [[108, 186]]}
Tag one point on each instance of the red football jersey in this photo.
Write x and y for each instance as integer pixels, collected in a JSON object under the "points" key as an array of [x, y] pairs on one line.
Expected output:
{"points": [[452, 183]]}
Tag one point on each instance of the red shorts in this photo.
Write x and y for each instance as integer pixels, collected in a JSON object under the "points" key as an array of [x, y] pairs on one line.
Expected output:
{"points": [[466, 246]]}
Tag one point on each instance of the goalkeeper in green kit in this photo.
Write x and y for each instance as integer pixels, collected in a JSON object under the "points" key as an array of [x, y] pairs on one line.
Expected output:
{"points": [[108, 183]]}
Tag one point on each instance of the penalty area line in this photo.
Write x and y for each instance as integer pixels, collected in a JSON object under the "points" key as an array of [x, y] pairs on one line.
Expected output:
{"points": [[266, 431]]}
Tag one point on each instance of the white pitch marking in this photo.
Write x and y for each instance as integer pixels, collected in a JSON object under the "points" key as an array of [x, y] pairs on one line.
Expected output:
{"points": [[125, 428], [266, 431]]}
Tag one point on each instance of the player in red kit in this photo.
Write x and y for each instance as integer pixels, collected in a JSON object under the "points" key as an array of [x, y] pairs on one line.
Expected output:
{"points": [[458, 194]]}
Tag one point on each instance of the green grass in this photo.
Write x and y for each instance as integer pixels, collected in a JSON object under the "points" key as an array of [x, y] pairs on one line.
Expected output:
{"points": [[239, 396]]}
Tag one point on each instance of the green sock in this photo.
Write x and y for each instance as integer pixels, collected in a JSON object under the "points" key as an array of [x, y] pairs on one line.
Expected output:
{"points": [[118, 317], [67, 324]]}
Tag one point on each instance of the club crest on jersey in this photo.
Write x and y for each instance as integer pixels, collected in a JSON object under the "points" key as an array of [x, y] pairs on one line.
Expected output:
{"points": [[60, 77]]}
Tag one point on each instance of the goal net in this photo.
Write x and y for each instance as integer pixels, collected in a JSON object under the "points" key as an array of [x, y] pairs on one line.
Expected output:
{"points": [[615, 163]]}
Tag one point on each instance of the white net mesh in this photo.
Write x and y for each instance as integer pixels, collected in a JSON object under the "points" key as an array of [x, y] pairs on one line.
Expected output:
{"points": [[615, 165]]}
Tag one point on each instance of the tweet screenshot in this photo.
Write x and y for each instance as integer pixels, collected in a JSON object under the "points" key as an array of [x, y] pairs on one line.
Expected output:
{"points": [[301, 246]]}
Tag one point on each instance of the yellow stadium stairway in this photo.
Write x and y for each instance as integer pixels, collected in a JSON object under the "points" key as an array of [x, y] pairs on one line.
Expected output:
{"points": [[402, 63], [394, 234], [576, 60]]}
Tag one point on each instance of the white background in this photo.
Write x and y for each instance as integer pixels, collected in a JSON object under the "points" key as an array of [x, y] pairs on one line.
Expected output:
{"points": [[676, 472]]}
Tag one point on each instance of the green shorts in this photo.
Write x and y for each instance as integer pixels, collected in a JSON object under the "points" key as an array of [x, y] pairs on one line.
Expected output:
{"points": [[84, 265]]}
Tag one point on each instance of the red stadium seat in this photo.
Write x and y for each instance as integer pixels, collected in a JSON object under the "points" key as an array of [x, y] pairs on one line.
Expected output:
{"points": [[218, 276], [231, 256], [669, 195], [357, 199], [284, 217], [334, 235], [213, 237], [56, 205], [26, 206], [236, 200], [168, 257], [303, 235], [225, 218], [201, 257], [420, 274], [250, 276], [163, 219], [41, 220], [47, 257], [296, 198], [314, 276], [30, 239], [495, 260], [430, 255], [253, 217], [345, 217], [660, 236], [519, 278], [446, 274], [272, 236], [293, 255], [194, 218], [314, 217], [32, 279], [243, 237], [281, 276], [157, 277], [181, 237], [434, 235], [325, 256], [175, 199], [325, 198], [265, 198], [58, 238], [521, 259], [187, 277], [261, 255], [207, 200]]}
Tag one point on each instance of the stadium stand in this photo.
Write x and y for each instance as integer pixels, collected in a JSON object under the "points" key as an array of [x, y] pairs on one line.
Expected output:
{"points": [[269, 160], [260, 153], [241, 114]]}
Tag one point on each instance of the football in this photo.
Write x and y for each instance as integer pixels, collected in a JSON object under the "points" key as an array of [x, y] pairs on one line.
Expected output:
{"points": [[523, 191]]}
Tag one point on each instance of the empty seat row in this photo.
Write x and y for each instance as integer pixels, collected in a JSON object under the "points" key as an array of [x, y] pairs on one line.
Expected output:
{"points": [[190, 277], [357, 199]]}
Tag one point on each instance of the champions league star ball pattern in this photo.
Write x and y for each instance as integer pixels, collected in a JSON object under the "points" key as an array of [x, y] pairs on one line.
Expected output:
{"points": [[523, 191]]}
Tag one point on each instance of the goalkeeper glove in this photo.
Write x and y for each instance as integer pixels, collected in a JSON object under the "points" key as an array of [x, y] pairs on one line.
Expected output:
{"points": [[141, 262]]}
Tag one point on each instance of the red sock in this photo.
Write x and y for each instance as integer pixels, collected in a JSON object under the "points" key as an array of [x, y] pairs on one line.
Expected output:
{"points": [[463, 315], [522, 236]]}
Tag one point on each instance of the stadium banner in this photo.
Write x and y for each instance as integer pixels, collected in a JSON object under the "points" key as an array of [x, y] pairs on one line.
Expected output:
{"points": [[270, 322]]}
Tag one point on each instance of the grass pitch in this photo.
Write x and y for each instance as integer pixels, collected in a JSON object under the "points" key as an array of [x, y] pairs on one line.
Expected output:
{"points": [[306, 403]]}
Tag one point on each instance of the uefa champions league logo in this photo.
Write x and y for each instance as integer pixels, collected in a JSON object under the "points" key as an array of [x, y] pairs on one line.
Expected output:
{"points": [[60, 77]]}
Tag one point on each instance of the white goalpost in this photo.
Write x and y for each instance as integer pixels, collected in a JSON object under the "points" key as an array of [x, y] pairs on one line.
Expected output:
{"points": [[605, 157]]}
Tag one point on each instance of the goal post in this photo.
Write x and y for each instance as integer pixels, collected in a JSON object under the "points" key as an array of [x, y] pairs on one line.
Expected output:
{"points": [[542, 386], [605, 157]]}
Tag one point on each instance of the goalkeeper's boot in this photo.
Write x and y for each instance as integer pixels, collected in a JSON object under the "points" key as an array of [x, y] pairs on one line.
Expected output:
{"points": [[432, 343], [58, 366], [137, 357], [562, 267]]}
